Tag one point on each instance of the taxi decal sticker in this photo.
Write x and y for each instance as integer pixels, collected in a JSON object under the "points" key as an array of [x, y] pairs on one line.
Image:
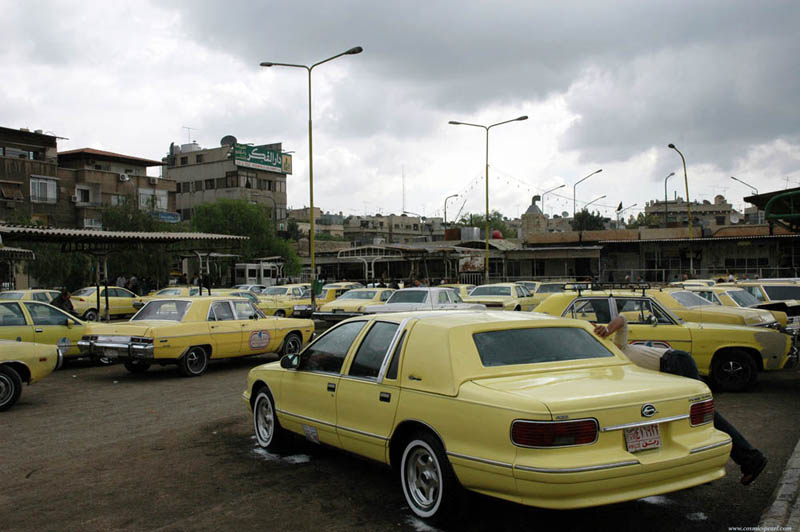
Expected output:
{"points": [[259, 339]]}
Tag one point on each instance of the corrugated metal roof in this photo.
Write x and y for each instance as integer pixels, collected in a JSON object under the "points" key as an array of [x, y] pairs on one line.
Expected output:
{"points": [[21, 232], [707, 239], [16, 253]]}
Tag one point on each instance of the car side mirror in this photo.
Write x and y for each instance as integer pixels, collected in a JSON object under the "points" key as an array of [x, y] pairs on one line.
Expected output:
{"points": [[70, 323], [290, 361], [652, 320]]}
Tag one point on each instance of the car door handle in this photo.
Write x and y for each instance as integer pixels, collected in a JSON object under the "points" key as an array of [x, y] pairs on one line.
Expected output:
{"points": [[331, 387], [37, 330], [414, 378], [385, 397]]}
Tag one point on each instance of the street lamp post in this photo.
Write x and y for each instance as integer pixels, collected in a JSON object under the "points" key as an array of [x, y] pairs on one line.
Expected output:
{"points": [[666, 211], [574, 203], [586, 207], [445, 208], [548, 192], [686, 183], [745, 184], [487, 128], [619, 214], [351, 51]]}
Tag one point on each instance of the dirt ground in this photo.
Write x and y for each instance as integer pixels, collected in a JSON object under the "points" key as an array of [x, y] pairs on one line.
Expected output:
{"points": [[96, 448]]}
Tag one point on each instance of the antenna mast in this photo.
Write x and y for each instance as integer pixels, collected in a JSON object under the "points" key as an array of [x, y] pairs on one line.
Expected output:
{"points": [[189, 133], [404, 187]]}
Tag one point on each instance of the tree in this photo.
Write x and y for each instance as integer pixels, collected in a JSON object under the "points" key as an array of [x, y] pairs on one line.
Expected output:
{"points": [[587, 221], [239, 217], [641, 220], [496, 222]]}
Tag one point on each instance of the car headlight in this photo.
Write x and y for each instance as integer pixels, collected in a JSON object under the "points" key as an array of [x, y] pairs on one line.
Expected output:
{"points": [[302, 307]]}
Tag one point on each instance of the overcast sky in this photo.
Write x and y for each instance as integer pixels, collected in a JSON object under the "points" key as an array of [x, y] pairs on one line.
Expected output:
{"points": [[605, 85]]}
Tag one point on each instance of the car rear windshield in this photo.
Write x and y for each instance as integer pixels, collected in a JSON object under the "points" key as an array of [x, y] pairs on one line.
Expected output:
{"points": [[368, 294], [743, 298], [782, 291], [162, 310], [84, 291], [537, 345], [550, 289], [10, 295], [274, 291], [491, 291], [408, 296], [689, 299]]}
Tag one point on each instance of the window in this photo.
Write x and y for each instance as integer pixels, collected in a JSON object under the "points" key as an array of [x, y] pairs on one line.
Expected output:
{"points": [[46, 315], [327, 354], [198, 186], [742, 298], [689, 299], [443, 299], [780, 292], [84, 195], [372, 351], [220, 311], [391, 373], [594, 310], [11, 314], [537, 345], [198, 158], [209, 184], [244, 310], [162, 310], [118, 200], [184, 160], [232, 179], [386, 294], [120, 292], [40, 296], [222, 182], [409, 296], [43, 190], [491, 290], [642, 311], [11, 190]]}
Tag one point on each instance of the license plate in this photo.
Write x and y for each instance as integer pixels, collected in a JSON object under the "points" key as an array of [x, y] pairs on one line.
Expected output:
{"points": [[110, 353], [642, 438]]}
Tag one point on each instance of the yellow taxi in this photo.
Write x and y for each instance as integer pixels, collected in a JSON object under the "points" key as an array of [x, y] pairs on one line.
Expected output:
{"points": [[280, 300], [729, 355], [690, 306], [331, 291], [729, 296], [120, 302], [501, 296], [24, 362], [464, 400], [781, 295], [42, 323], [546, 288], [463, 290], [170, 291], [191, 331], [43, 295], [352, 303]]}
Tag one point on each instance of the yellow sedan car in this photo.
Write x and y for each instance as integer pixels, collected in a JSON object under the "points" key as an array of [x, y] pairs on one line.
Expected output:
{"points": [[690, 306], [120, 302], [523, 407], [461, 289], [729, 355], [352, 303], [24, 362], [32, 321], [502, 296], [43, 295], [170, 291], [331, 291], [191, 331]]}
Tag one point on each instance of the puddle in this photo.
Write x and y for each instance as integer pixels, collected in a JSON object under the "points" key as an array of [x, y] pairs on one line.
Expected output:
{"points": [[290, 459], [419, 525], [657, 499]]}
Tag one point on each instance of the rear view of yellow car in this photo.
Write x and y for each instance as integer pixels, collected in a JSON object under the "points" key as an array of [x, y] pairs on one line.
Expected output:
{"points": [[24, 362], [352, 303], [43, 295], [32, 321], [330, 292], [120, 302], [502, 296], [518, 406]]}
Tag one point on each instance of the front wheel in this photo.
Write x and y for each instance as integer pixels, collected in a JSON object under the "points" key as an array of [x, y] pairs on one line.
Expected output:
{"points": [[10, 387], [91, 315], [733, 371], [269, 433], [194, 363], [137, 366], [430, 487], [280, 313], [292, 344]]}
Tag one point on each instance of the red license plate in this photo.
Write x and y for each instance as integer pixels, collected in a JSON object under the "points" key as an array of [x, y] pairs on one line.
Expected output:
{"points": [[642, 438]]}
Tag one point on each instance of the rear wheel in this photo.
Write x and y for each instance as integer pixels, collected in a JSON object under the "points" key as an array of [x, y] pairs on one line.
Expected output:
{"points": [[733, 371], [194, 363], [269, 433], [280, 313], [10, 387], [137, 366], [292, 344], [91, 315], [430, 486]]}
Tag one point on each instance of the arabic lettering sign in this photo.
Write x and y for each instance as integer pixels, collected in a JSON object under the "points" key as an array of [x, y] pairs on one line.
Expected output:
{"points": [[260, 158]]}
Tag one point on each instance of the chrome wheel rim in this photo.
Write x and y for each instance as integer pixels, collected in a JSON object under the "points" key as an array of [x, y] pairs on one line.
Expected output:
{"points": [[195, 361], [293, 345], [6, 389], [265, 420], [423, 478], [734, 372]]}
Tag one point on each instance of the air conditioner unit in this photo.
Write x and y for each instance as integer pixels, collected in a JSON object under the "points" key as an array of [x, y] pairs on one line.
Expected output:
{"points": [[123, 178], [74, 199], [153, 180]]}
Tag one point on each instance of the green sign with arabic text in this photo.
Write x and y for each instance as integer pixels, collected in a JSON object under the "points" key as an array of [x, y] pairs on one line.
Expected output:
{"points": [[261, 158]]}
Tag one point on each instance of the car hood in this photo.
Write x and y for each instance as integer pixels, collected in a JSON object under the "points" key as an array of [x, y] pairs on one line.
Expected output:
{"points": [[750, 316], [410, 307], [611, 394]]}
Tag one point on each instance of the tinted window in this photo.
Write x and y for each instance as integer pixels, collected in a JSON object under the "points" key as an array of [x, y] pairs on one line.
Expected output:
{"points": [[409, 296], [742, 298], [327, 354], [491, 291], [11, 314], [162, 310], [391, 373], [41, 296], [549, 289], [372, 351], [537, 345], [46, 315], [121, 292], [784, 291], [11, 295]]}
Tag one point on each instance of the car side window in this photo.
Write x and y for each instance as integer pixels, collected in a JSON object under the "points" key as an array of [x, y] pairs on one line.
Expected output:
{"points": [[11, 315], [641, 311], [442, 298], [244, 310], [46, 315], [372, 351], [194, 291], [594, 310], [40, 296], [121, 292], [221, 311], [391, 373], [327, 354], [755, 291], [385, 295]]}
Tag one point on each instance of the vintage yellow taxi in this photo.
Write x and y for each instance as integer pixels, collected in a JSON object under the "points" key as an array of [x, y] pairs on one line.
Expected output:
{"points": [[463, 290], [120, 302], [24, 362], [775, 295], [519, 406], [729, 355], [42, 323], [170, 291], [35, 294], [690, 306], [331, 291], [733, 297], [191, 331], [352, 303], [546, 288], [501, 296]]}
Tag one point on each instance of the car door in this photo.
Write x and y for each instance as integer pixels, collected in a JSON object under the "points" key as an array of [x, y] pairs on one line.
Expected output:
{"points": [[225, 330], [55, 327], [649, 324], [13, 323], [122, 301], [365, 403], [259, 334], [308, 394]]}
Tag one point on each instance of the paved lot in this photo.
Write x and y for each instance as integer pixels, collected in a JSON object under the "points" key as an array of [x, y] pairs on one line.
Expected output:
{"points": [[95, 448]]}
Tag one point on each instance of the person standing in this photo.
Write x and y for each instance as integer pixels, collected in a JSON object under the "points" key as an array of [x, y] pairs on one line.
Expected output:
{"points": [[63, 302]]}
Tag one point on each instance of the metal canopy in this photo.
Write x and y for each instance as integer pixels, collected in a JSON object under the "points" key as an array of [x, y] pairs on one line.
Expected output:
{"points": [[7, 253], [781, 207]]}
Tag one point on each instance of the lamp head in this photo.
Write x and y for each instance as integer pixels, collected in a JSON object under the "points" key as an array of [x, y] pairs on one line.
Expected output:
{"points": [[267, 64], [525, 117], [671, 174], [671, 146], [354, 51], [454, 123]]}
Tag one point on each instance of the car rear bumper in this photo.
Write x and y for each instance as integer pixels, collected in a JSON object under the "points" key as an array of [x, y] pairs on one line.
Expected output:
{"points": [[116, 350], [335, 316]]}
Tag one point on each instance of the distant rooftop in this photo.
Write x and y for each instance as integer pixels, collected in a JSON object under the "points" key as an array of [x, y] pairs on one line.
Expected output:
{"points": [[84, 153]]}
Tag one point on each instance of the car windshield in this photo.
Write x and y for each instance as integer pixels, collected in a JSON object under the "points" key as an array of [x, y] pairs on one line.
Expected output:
{"points": [[743, 298], [162, 310], [84, 291], [367, 294], [537, 345], [169, 292], [10, 295], [549, 289], [689, 299], [491, 291], [274, 291], [782, 291], [409, 296]]}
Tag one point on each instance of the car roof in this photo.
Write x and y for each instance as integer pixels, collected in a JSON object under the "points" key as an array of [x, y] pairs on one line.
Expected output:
{"points": [[460, 318]]}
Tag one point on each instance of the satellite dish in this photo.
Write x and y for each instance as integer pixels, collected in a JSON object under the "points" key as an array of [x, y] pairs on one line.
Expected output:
{"points": [[735, 218], [227, 140], [565, 214]]}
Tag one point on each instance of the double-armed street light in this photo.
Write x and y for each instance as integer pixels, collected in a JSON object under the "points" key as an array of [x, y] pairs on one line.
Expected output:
{"points": [[574, 203], [487, 128], [666, 211], [548, 192], [586, 207], [351, 51]]}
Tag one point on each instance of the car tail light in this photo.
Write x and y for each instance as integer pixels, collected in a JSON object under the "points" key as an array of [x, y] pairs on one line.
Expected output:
{"points": [[702, 413], [553, 433], [80, 299]]}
